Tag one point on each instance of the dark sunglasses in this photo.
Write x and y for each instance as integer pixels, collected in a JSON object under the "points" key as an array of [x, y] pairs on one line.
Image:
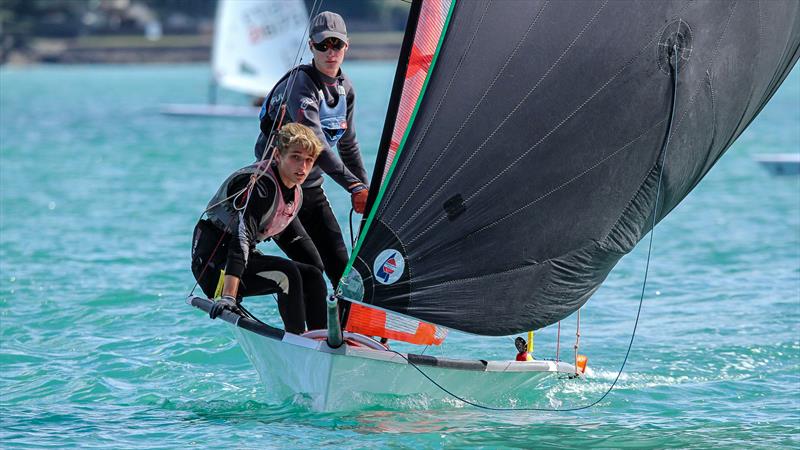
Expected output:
{"points": [[323, 46]]}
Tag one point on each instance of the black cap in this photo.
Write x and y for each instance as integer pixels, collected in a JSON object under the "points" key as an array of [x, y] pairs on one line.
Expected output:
{"points": [[326, 25]]}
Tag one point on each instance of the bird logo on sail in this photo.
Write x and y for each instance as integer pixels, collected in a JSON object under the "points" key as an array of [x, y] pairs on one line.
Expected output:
{"points": [[388, 266]]}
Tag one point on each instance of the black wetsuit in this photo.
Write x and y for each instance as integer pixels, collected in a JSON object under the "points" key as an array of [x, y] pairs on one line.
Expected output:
{"points": [[317, 238], [300, 287]]}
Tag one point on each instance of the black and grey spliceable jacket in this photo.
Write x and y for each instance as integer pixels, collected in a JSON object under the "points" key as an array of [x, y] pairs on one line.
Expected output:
{"points": [[303, 106], [271, 208]]}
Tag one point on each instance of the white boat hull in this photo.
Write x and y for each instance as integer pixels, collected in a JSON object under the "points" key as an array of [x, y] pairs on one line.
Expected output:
{"points": [[355, 376], [352, 377]]}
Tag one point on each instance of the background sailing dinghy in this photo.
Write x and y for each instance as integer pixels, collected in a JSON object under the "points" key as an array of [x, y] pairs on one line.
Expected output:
{"points": [[527, 147], [255, 43], [780, 163]]}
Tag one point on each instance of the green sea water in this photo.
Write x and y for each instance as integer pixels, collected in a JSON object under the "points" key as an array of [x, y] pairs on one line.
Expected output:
{"points": [[99, 195]]}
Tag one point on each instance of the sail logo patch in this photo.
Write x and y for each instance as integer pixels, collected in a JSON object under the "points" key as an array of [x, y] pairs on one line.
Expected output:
{"points": [[388, 266]]}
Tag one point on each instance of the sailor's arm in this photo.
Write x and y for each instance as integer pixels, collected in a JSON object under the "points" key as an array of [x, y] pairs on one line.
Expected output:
{"points": [[348, 147], [228, 299], [351, 155], [231, 286], [243, 237]]}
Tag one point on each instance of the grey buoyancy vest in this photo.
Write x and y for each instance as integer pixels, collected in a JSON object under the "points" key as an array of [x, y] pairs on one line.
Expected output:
{"points": [[222, 213], [333, 119]]}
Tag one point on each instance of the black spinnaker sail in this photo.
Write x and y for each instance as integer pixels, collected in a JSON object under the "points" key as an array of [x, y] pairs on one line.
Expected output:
{"points": [[531, 161]]}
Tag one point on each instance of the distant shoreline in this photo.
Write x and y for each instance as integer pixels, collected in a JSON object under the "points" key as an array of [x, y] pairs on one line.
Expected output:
{"points": [[169, 49]]}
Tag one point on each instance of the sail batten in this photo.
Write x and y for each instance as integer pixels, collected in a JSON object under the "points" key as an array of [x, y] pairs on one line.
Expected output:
{"points": [[532, 162]]}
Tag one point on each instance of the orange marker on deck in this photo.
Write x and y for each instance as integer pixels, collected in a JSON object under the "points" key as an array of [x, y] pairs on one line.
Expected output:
{"points": [[580, 363]]}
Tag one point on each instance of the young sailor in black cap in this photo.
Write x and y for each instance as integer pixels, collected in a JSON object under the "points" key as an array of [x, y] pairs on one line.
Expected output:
{"points": [[320, 96]]}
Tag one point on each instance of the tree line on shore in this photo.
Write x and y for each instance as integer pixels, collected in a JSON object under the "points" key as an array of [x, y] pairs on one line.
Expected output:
{"points": [[22, 22]]}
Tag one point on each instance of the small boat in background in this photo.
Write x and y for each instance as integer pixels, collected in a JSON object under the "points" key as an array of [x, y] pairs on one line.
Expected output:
{"points": [[780, 163], [255, 43]]}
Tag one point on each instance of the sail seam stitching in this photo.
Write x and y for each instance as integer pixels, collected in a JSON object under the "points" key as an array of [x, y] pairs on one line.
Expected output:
{"points": [[493, 274], [505, 119], [435, 112], [710, 65], [601, 88], [469, 116], [570, 181]]}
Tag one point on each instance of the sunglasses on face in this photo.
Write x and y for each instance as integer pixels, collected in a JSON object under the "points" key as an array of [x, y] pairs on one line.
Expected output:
{"points": [[323, 46]]}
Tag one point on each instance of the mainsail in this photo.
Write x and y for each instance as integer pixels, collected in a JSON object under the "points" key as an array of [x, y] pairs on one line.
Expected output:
{"points": [[255, 42], [531, 161]]}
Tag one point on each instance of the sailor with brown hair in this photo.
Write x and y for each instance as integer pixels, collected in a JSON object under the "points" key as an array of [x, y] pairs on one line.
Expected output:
{"points": [[254, 204]]}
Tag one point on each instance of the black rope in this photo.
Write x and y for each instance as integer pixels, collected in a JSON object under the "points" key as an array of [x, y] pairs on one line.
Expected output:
{"points": [[644, 283], [248, 314]]}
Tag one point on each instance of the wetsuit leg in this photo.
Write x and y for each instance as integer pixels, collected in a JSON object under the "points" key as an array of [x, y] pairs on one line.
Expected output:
{"points": [[314, 292], [320, 223], [300, 287], [266, 274], [297, 245]]}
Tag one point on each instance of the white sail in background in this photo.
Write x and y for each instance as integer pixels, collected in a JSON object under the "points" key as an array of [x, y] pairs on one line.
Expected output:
{"points": [[256, 42]]}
